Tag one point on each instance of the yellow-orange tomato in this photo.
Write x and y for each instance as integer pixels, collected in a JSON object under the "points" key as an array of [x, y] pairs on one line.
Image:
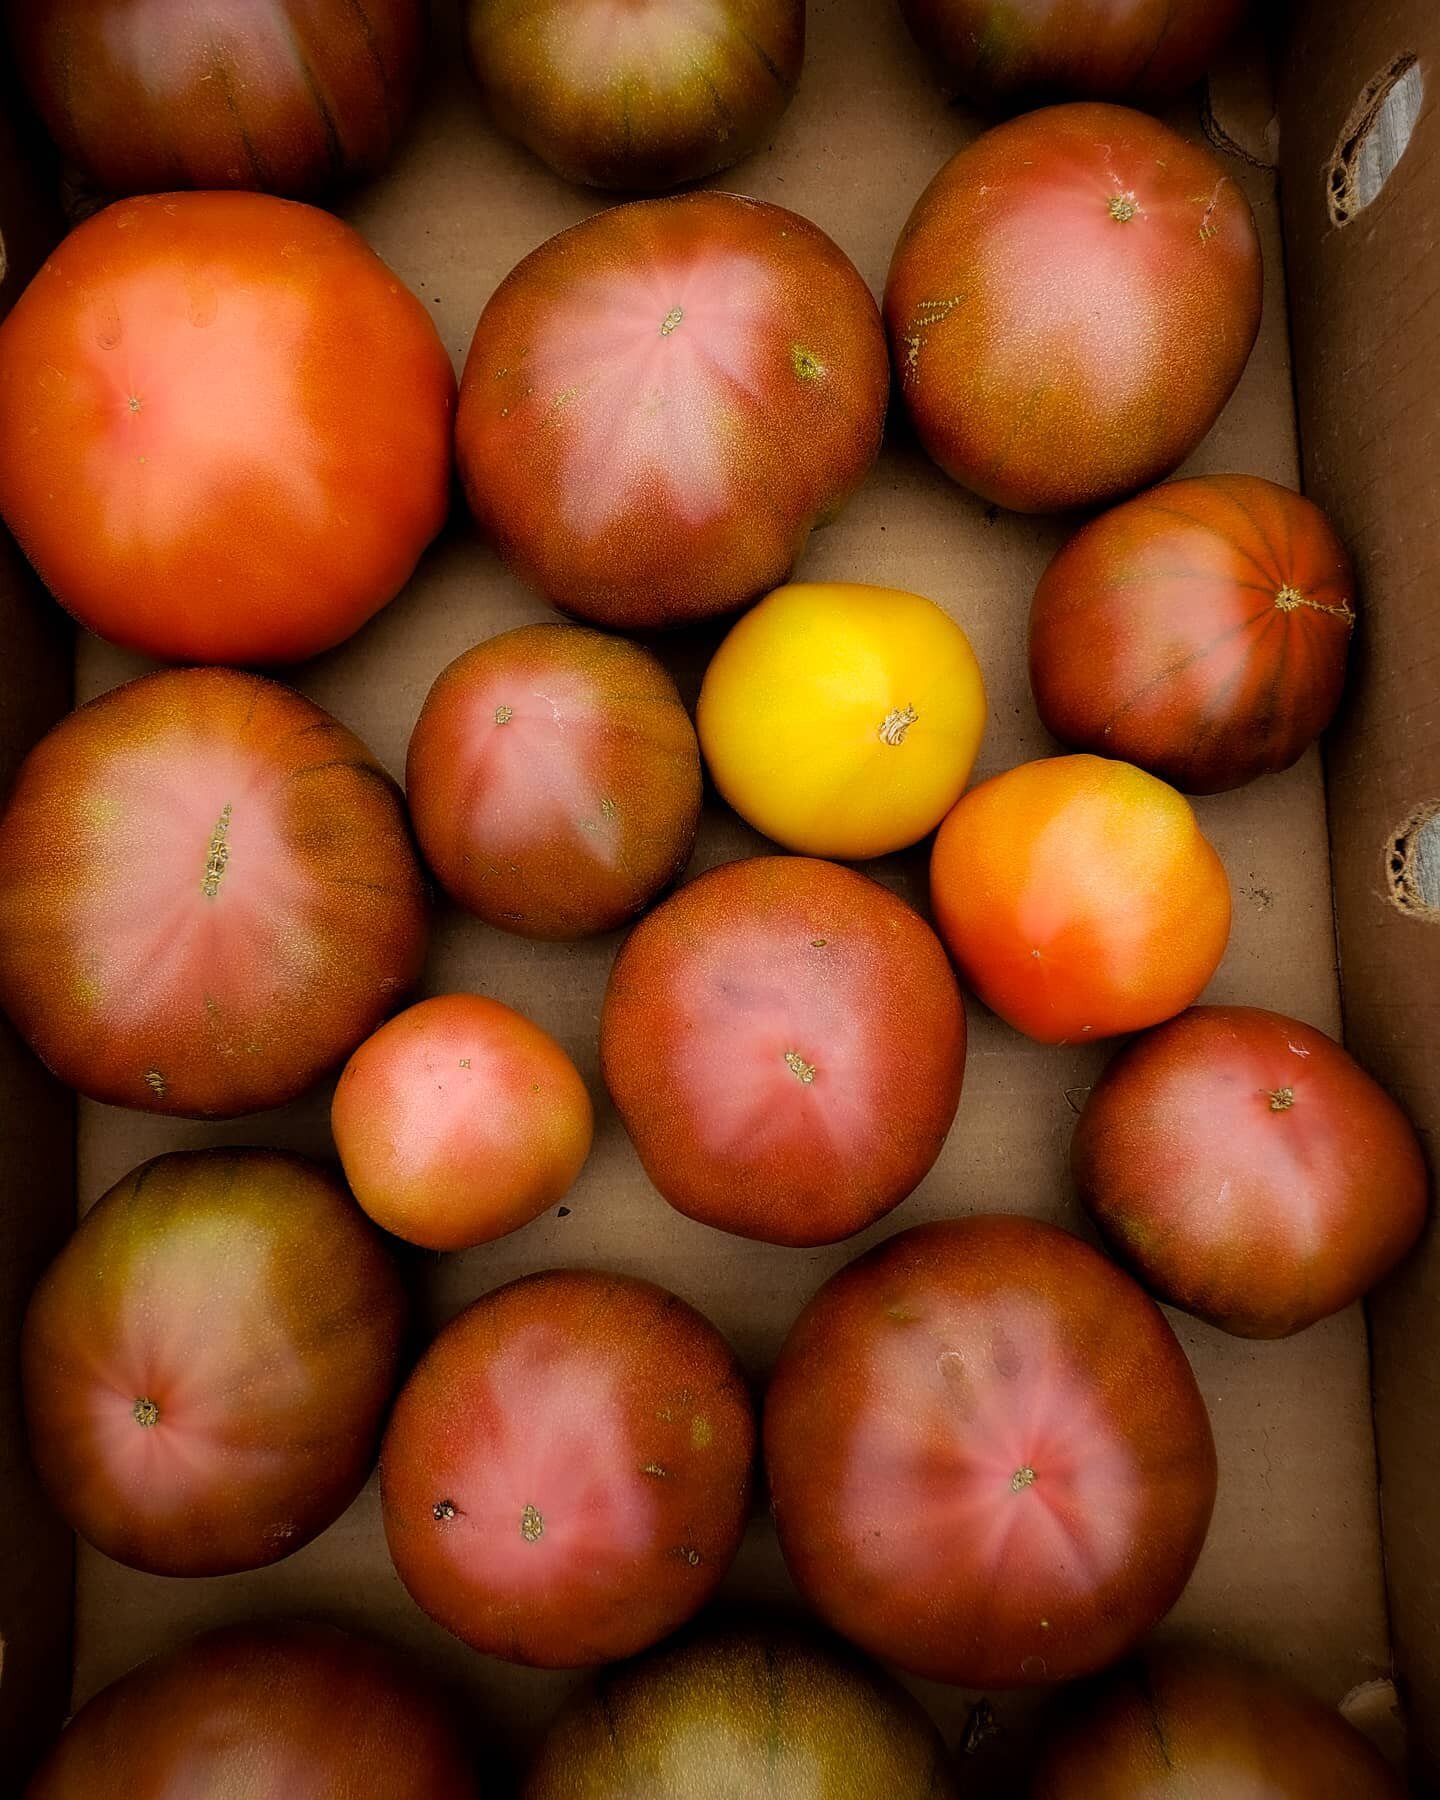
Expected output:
{"points": [[1079, 898], [843, 720], [460, 1120]]}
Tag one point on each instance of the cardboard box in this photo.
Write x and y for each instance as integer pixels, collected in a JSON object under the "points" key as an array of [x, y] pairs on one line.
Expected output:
{"points": [[1300, 1568]]}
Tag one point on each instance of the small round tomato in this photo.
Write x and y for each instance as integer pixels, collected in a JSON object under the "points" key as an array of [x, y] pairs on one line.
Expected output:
{"points": [[842, 720], [566, 1476], [1079, 898], [224, 427], [458, 1121]]}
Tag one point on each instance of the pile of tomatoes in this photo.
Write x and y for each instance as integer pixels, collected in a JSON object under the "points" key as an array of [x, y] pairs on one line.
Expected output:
{"points": [[988, 1460]]}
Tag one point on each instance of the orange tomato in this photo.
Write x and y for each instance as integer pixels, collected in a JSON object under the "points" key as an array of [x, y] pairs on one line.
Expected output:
{"points": [[1079, 898], [842, 720]]}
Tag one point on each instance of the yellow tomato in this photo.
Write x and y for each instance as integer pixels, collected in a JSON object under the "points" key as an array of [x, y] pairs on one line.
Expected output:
{"points": [[842, 720]]}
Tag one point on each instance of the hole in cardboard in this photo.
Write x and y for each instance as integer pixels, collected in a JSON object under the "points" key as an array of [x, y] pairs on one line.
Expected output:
{"points": [[1412, 864], [1373, 138]]}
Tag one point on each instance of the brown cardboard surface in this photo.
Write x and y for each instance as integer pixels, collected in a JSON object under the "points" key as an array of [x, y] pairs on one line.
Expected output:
{"points": [[1292, 1570], [1366, 317]]}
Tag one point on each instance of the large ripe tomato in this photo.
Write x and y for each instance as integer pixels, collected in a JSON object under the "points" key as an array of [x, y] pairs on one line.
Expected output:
{"points": [[1070, 305], [1015, 54], [460, 1120], [842, 720], [1248, 1170], [224, 427], [566, 1475], [208, 895], [638, 94], [744, 1715], [785, 1043], [1199, 630], [662, 402], [275, 1711], [1183, 1724], [1079, 898], [293, 96], [554, 781], [208, 1360], [988, 1458]]}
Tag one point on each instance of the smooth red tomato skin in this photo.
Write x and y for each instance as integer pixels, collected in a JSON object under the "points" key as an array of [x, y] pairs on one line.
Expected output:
{"points": [[1070, 305], [554, 781], [290, 96], [274, 1711], [1179, 1724], [566, 1474], [785, 1043], [1199, 630], [950, 1417], [661, 403], [207, 1362], [203, 449], [208, 895], [1248, 1170]]}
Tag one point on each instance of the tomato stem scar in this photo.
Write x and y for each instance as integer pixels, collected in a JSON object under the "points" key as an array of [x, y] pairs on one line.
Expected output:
{"points": [[145, 1413], [1021, 1479]]}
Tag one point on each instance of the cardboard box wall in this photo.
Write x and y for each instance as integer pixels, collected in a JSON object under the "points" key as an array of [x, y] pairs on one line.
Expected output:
{"points": [[1295, 1568]]}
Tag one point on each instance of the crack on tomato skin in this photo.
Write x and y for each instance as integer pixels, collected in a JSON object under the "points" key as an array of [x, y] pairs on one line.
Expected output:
{"points": [[218, 854], [156, 1083], [927, 315], [1288, 598]]}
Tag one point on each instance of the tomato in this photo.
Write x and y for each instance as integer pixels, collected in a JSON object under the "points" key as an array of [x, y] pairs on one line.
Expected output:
{"points": [[224, 427], [460, 1120], [785, 1043], [295, 96], [988, 1458], [1079, 898], [768, 1715], [1021, 53], [1199, 630], [843, 720], [208, 1360], [637, 94], [1070, 305], [274, 1711], [1179, 1723], [554, 781], [1248, 1170], [566, 1475], [207, 895], [661, 402]]}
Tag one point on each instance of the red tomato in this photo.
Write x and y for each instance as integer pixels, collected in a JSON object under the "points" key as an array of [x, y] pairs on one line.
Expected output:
{"points": [[785, 1043], [460, 1120], [224, 428], [1070, 305], [265, 1712], [1248, 1170], [208, 1360], [988, 1458], [1182, 1724], [566, 1475], [294, 96], [207, 895], [1079, 898], [1199, 630], [638, 94], [661, 402], [554, 781]]}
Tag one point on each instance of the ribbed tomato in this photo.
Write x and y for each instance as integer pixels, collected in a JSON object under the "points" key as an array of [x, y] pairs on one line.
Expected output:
{"points": [[638, 94], [785, 1042], [292, 96], [275, 1711], [1070, 305], [662, 402], [207, 1362], [988, 1457], [208, 895], [1199, 630], [566, 1475]]}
